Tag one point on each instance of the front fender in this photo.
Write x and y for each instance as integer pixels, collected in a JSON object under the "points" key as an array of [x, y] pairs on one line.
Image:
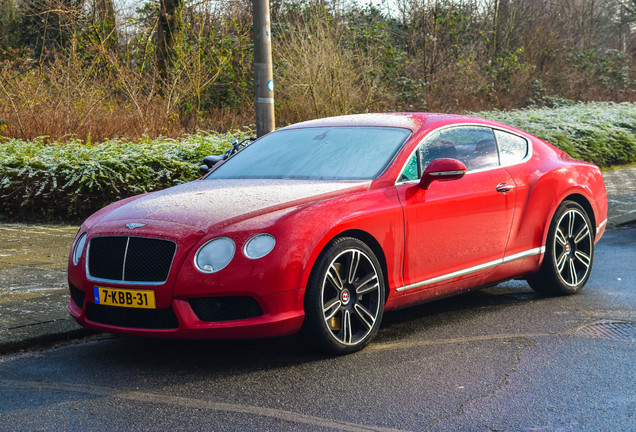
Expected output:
{"points": [[378, 213], [301, 235]]}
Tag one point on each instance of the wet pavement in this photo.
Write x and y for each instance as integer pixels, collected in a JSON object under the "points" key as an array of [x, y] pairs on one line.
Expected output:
{"points": [[33, 289], [621, 195], [33, 259]]}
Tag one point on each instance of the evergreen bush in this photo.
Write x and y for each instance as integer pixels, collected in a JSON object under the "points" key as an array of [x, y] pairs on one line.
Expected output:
{"points": [[75, 179], [70, 181]]}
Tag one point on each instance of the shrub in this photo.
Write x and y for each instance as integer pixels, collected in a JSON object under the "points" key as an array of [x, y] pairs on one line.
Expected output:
{"points": [[320, 73], [73, 180], [601, 133]]}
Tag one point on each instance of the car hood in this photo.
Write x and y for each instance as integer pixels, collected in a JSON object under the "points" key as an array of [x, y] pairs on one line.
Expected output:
{"points": [[207, 204]]}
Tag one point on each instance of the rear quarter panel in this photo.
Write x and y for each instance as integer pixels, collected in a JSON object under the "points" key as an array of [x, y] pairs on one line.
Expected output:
{"points": [[543, 183]]}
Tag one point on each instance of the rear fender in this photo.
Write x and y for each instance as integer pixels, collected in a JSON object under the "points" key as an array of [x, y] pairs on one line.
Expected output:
{"points": [[576, 183]]}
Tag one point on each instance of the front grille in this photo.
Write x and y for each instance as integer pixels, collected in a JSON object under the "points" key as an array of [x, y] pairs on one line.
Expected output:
{"points": [[132, 318], [130, 259], [78, 296], [213, 309]]}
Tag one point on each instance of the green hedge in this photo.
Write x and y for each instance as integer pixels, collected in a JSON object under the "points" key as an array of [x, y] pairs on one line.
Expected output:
{"points": [[70, 181], [601, 133]]}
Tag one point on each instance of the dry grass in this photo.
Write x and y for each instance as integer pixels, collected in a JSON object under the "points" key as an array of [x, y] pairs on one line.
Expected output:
{"points": [[318, 75], [74, 98], [442, 58]]}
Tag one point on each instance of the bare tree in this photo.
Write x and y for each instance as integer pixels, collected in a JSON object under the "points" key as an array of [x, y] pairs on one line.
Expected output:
{"points": [[169, 35], [104, 18]]}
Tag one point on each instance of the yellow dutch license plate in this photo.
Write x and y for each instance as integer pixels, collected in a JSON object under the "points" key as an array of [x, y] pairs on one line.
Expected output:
{"points": [[124, 297]]}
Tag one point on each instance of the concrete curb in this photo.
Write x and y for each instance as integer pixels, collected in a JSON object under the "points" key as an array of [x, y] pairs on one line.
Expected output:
{"points": [[43, 340]]}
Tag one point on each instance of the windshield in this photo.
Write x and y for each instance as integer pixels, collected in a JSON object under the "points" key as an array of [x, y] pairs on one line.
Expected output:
{"points": [[321, 153]]}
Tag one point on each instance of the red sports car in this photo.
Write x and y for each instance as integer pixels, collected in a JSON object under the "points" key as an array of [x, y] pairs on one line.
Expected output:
{"points": [[320, 227]]}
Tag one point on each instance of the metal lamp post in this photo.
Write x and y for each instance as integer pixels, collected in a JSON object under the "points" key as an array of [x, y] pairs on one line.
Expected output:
{"points": [[263, 73]]}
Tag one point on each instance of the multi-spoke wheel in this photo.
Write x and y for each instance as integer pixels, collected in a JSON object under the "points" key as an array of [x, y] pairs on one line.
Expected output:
{"points": [[569, 252], [345, 298]]}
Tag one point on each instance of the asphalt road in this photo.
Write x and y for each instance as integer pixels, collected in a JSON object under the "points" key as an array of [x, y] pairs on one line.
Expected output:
{"points": [[498, 359]]}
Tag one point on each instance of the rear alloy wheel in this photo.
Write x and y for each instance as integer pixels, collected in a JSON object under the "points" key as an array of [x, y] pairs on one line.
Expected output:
{"points": [[345, 298], [569, 252]]}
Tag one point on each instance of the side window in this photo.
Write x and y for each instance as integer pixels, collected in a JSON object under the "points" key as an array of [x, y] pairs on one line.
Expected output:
{"points": [[512, 148], [475, 146], [410, 170]]}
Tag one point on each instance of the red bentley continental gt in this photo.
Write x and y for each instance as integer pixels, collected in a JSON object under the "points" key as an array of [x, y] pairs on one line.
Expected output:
{"points": [[320, 227]]}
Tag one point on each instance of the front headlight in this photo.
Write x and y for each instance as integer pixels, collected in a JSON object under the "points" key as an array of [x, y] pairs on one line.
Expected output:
{"points": [[259, 246], [79, 248], [214, 255]]}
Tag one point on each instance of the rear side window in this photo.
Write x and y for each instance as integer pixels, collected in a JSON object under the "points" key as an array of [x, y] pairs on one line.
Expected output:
{"points": [[512, 148]]}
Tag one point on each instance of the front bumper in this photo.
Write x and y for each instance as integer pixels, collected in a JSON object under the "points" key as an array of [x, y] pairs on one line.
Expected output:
{"points": [[282, 315]]}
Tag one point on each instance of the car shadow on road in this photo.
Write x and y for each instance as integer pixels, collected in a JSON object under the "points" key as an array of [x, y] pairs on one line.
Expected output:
{"points": [[227, 357], [506, 294]]}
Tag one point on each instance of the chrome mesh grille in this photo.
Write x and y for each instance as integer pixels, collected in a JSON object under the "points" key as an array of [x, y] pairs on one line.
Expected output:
{"points": [[130, 259]]}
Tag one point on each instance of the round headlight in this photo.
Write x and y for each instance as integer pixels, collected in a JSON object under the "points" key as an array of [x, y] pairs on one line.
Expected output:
{"points": [[259, 246], [214, 255], [79, 248]]}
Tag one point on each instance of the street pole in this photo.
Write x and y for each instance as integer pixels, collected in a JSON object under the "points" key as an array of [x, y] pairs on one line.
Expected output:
{"points": [[263, 73]]}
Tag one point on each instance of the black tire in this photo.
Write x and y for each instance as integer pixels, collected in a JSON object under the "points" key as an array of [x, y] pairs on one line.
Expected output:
{"points": [[344, 301], [569, 252]]}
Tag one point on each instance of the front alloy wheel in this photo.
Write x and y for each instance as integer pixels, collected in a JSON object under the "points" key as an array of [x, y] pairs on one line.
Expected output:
{"points": [[569, 252], [345, 298]]}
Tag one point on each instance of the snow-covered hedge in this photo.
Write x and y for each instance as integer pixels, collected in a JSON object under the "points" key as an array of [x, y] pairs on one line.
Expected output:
{"points": [[70, 181], [601, 133]]}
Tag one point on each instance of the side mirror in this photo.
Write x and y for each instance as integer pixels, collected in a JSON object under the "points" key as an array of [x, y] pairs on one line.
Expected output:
{"points": [[209, 162], [442, 170]]}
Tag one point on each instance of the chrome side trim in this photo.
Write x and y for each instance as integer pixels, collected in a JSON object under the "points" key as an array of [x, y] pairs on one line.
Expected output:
{"points": [[601, 225], [535, 251], [451, 275], [485, 266]]}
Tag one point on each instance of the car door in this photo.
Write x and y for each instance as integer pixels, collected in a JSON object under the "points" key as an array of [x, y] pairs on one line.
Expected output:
{"points": [[460, 228]]}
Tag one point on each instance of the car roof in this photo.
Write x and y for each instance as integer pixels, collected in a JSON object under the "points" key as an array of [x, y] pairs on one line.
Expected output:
{"points": [[412, 121]]}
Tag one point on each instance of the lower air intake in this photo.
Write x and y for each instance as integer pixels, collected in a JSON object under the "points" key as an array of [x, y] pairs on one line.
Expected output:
{"points": [[214, 309], [160, 319], [78, 296]]}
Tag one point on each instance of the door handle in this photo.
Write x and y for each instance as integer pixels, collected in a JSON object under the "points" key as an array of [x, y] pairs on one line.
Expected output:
{"points": [[504, 187]]}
